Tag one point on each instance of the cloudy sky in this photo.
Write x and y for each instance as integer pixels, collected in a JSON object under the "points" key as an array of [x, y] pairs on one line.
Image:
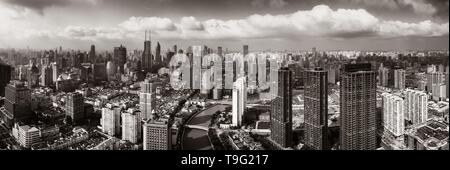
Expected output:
{"points": [[262, 24]]}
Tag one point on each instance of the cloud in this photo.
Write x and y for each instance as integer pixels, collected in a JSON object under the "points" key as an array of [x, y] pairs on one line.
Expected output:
{"points": [[40, 5], [269, 3], [146, 23]]}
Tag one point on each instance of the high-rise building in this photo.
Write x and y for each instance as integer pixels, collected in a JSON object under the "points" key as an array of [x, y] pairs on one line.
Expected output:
{"points": [[357, 105], [92, 55], [399, 79], [158, 135], [75, 107], [111, 120], [46, 76], [393, 114], [416, 109], [17, 103], [120, 56], [55, 72], [447, 80], [158, 53], [111, 70], [131, 126], [281, 114], [239, 99], [383, 75], [147, 60], [433, 78], [146, 99], [316, 109], [5, 77], [26, 135]]}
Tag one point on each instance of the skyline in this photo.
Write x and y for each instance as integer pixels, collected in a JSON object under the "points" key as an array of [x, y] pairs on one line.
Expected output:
{"points": [[292, 25]]}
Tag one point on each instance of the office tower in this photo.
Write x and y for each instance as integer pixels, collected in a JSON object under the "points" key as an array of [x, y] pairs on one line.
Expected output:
{"points": [[399, 79], [55, 72], [239, 99], [17, 103], [416, 106], [147, 60], [33, 75], [131, 126], [393, 114], [281, 115], [100, 72], [111, 70], [111, 120], [46, 76], [75, 107], [158, 53], [447, 80], [158, 135], [432, 79], [316, 109], [357, 105], [5, 77], [332, 75], [146, 99], [383, 74], [120, 56], [92, 55]]}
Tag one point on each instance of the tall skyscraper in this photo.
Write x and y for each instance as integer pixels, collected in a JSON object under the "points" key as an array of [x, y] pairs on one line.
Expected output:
{"points": [[75, 107], [239, 99], [393, 114], [281, 115], [158, 53], [17, 102], [92, 55], [146, 99], [416, 106], [120, 56], [46, 76], [399, 79], [157, 135], [55, 72], [447, 80], [131, 126], [111, 120], [316, 109], [357, 105], [5, 77], [147, 60], [383, 75]]}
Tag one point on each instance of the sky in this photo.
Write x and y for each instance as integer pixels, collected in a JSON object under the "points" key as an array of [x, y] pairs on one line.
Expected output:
{"points": [[262, 24]]}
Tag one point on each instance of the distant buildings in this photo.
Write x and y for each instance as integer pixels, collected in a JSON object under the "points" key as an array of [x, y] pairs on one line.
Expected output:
{"points": [[239, 99], [131, 126], [393, 114], [75, 107], [157, 135], [434, 82], [357, 104], [281, 115], [416, 106], [46, 76], [111, 120], [316, 109]]}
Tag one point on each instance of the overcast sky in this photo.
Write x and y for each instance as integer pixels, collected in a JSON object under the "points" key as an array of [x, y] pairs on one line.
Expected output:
{"points": [[262, 24]]}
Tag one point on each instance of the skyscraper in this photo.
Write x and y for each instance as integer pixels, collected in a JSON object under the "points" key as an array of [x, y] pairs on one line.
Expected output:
{"points": [[399, 79], [131, 126], [17, 102], [147, 60], [239, 99], [281, 115], [146, 99], [157, 135], [46, 76], [75, 107], [316, 109], [357, 105], [158, 53], [111, 120], [120, 56], [92, 55], [5, 77], [393, 114]]}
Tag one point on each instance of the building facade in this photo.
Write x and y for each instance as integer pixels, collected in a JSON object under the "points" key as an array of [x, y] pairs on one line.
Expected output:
{"points": [[281, 114]]}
